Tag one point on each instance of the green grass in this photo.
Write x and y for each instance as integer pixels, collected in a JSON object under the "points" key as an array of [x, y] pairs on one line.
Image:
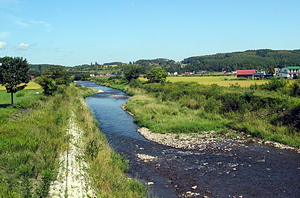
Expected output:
{"points": [[185, 108], [170, 117], [22, 100], [32, 138]]}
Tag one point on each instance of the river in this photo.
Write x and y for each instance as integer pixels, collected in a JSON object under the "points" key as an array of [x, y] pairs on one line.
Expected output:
{"points": [[253, 171]]}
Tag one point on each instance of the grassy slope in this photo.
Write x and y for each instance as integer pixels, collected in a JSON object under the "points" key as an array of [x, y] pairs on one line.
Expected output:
{"points": [[207, 111], [32, 139]]}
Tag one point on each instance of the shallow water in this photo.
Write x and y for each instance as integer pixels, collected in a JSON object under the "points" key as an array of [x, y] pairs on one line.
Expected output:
{"points": [[251, 172]]}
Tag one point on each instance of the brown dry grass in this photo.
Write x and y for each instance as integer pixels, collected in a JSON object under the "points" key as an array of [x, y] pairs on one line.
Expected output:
{"points": [[30, 85], [217, 80]]}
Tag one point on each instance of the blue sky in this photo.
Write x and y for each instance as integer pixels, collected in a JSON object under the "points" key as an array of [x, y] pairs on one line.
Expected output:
{"points": [[74, 32]]}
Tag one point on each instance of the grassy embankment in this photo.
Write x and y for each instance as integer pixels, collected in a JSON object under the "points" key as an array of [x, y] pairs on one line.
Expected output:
{"points": [[184, 107], [33, 134]]}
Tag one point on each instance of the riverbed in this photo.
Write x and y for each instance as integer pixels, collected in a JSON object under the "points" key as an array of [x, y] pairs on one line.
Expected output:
{"points": [[248, 171]]}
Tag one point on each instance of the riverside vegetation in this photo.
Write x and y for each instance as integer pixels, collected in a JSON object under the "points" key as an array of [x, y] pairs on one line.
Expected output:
{"points": [[270, 111], [33, 134]]}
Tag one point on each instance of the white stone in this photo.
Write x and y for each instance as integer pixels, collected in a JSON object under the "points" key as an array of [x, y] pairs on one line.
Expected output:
{"points": [[72, 178]]}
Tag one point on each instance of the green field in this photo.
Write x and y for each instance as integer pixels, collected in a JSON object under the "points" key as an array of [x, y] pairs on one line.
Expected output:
{"points": [[24, 95]]}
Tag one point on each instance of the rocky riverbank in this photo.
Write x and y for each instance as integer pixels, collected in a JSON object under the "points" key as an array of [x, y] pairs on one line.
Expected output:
{"points": [[210, 140]]}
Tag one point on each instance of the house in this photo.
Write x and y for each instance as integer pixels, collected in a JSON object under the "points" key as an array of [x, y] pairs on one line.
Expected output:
{"points": [[201, 72], [173, 74], [245, 73], [289, 72], [258, 75], [277, 70]]}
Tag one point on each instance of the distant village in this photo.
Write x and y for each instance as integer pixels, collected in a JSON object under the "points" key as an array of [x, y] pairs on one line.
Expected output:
{"points": [[286, 72]]}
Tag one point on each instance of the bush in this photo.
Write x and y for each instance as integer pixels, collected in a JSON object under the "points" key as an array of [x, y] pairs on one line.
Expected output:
{"points": [[20, 94], [295, 88], [135, 83], [47, 83]]}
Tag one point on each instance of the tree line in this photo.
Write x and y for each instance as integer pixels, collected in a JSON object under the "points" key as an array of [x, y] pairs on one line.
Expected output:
{"points": [[260, 59]]}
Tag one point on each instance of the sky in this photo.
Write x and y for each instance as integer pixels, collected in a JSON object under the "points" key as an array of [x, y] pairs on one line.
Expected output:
{"points": [[76, 32]]}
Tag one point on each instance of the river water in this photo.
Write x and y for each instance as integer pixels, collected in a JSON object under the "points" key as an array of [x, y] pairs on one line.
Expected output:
{"points": [[252, 171]]}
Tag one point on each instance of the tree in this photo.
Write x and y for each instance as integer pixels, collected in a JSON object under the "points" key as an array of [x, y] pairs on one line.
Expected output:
{"points": [[47, 83], [272, 70], [59, 74], [156, 75], [55, 75], [132, 73], [13, 74]]}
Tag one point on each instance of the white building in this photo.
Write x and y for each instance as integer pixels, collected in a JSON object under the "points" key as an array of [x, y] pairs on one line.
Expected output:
{"points": [[289, 72]]}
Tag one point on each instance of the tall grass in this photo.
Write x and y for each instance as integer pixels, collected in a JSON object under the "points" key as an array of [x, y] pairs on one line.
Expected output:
{"points": [[29, 145]]}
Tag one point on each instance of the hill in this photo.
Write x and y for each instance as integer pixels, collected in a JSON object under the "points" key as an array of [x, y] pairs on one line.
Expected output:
{"points": [[260, 59]]}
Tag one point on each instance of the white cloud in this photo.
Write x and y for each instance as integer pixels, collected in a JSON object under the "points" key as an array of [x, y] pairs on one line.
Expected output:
{"points": [[47, 26], [3, 45], [23, 46], [4, 34], [92, 45], [20, 22]]}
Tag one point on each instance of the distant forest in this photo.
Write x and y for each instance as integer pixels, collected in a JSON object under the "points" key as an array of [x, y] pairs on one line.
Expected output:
{"points": [[260, 59], [251, 59]]}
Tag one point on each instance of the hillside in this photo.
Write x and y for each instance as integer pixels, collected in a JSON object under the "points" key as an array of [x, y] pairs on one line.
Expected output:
{"points": [[260, 59]]}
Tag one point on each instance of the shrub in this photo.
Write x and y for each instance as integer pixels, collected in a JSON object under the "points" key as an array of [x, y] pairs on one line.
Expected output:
{"points": [[295, 88], [20, 94], [233, 102]]}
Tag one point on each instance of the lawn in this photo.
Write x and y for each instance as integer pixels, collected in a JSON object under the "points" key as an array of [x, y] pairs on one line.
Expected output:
{"points": [[24, 97], [30, 85]]}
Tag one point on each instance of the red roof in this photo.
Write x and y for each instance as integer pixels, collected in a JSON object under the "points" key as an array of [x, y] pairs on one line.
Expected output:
{"points": [[245, 72]]}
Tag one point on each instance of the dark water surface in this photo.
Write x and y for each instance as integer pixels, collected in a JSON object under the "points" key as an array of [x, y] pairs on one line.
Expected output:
{"points": [[251, 172]]}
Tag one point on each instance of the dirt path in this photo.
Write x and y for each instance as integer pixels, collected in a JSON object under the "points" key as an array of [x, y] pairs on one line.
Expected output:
{"points": [[72, 179]]}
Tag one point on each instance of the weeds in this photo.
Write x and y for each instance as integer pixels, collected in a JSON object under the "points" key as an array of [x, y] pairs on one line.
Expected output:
{"points": [[269, 111], [36, 139]]}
